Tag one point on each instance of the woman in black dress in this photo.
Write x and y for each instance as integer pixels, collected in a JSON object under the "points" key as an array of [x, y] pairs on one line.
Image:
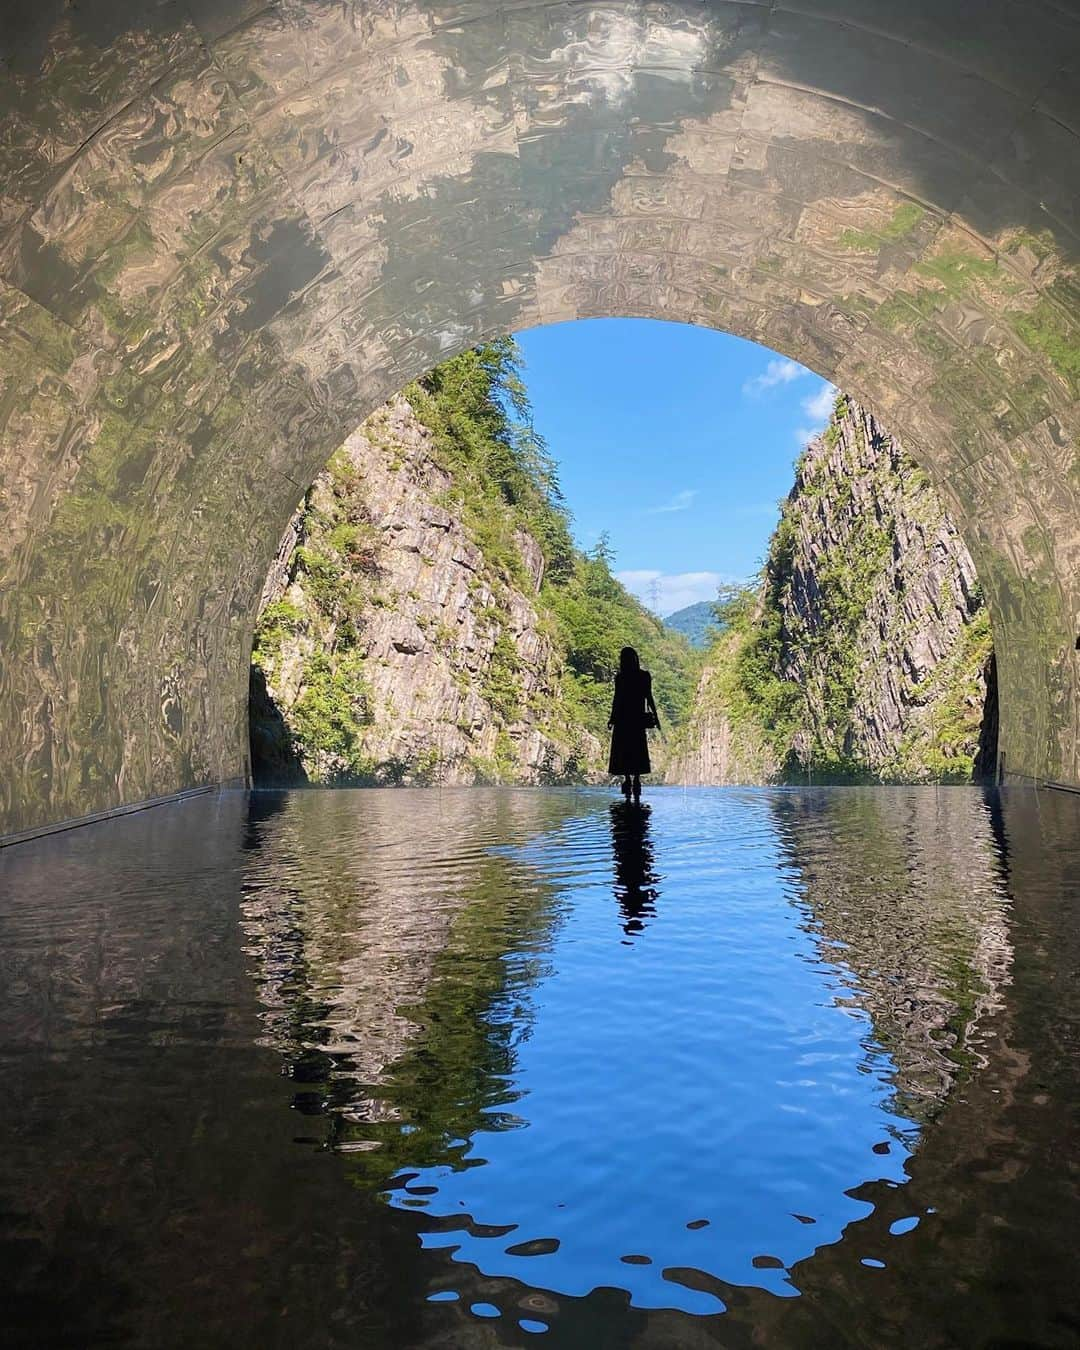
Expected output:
{"points": [[632, 712]]}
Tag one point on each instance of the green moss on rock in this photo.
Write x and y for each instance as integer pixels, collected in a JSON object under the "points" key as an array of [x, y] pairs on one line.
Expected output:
{"points": [[904, 221]]}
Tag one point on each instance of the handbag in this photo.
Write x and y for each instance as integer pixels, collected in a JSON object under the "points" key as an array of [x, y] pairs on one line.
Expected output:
{"points": [[651, 719]]}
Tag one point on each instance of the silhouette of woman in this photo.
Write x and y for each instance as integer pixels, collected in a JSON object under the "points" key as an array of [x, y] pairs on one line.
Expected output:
{"points": [[632, 712]]}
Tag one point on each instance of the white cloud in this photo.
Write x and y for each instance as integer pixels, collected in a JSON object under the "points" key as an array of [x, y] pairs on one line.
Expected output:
{"points": [[779, 371], [682, 501], [816, 407], [665, 592], [819, 406]]}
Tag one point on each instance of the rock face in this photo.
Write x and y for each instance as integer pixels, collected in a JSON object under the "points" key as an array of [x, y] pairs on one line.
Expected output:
{"points": [[392, 648], [877, 562], [716, 749], [868, 650]]}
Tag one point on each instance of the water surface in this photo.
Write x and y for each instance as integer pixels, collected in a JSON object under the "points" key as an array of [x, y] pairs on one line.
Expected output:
{"points": [[475, 1067]]}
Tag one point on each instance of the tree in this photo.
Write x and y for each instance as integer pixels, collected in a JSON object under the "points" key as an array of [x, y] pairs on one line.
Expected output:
{"points": [[602, 551]]}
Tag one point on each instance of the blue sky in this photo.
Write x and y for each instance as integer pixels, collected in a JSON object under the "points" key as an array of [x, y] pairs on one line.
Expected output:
{"points": [[678, 441]]}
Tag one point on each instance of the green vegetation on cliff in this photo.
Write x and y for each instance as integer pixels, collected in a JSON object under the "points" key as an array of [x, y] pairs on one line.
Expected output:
{"points": [[518, 631], [861, 653], [477, 407]]}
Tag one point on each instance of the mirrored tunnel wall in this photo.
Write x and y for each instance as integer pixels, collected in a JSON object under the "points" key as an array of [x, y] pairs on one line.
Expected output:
{"points": [[228, 231]]}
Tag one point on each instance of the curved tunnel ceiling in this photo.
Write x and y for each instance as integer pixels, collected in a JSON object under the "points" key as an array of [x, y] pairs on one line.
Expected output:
{"points": [[229, 230]]}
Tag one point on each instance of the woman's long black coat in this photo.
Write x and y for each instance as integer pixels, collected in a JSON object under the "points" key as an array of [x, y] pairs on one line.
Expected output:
{"points": [[629, 743]]}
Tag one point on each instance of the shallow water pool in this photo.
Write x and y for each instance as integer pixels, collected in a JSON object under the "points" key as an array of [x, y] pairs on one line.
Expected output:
{"points": [[492, 1066]]}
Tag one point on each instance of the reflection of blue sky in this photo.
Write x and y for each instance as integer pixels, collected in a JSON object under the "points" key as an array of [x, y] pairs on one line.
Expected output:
{"points": [[704, 1071]]}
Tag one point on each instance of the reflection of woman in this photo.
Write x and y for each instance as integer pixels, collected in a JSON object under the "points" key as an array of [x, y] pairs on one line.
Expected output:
{"points": [[632, 711], [636, 879]]}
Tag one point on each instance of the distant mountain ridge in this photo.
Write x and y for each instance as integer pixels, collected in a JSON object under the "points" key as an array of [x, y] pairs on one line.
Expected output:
{"points": [[694, 622]]}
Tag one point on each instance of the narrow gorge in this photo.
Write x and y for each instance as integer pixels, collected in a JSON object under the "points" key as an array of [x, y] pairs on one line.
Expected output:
{"points": [[429, 618]]}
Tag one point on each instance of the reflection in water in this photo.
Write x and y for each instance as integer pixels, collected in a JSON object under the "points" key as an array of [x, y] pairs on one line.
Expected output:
{"points": [[381, 945], [824, 1073], [636, 878], [458, 1012], [904, 892]]}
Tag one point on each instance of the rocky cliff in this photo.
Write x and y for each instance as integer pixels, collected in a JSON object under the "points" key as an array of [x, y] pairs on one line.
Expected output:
{"points": [[429, 619], [392, 649], [867, 650], [722, 745]]}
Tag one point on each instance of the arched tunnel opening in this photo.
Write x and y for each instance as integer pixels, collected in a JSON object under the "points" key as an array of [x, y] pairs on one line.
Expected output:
{"points": [[229, 236], [787, 1061], [430, 618]]}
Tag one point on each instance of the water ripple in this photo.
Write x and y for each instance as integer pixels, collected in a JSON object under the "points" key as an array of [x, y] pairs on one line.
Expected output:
{"points": [[664, 1049]]}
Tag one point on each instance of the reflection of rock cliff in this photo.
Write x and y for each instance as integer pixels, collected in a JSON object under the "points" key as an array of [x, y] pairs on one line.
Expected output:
{"points": [[867, 651], [404, 933], [921, 925]]}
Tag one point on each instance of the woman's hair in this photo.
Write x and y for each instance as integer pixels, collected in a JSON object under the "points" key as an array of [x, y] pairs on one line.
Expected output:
{"points": [[628, 660]]}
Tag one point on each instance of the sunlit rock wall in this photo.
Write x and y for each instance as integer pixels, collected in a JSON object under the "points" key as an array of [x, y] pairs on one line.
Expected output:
{"points": [[870, 618], [884, 628], [229, 230], [453, 666]]}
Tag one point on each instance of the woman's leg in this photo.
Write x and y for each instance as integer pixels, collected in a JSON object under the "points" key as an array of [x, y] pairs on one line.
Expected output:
{"points": [[626, 787], [637, 786]]}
